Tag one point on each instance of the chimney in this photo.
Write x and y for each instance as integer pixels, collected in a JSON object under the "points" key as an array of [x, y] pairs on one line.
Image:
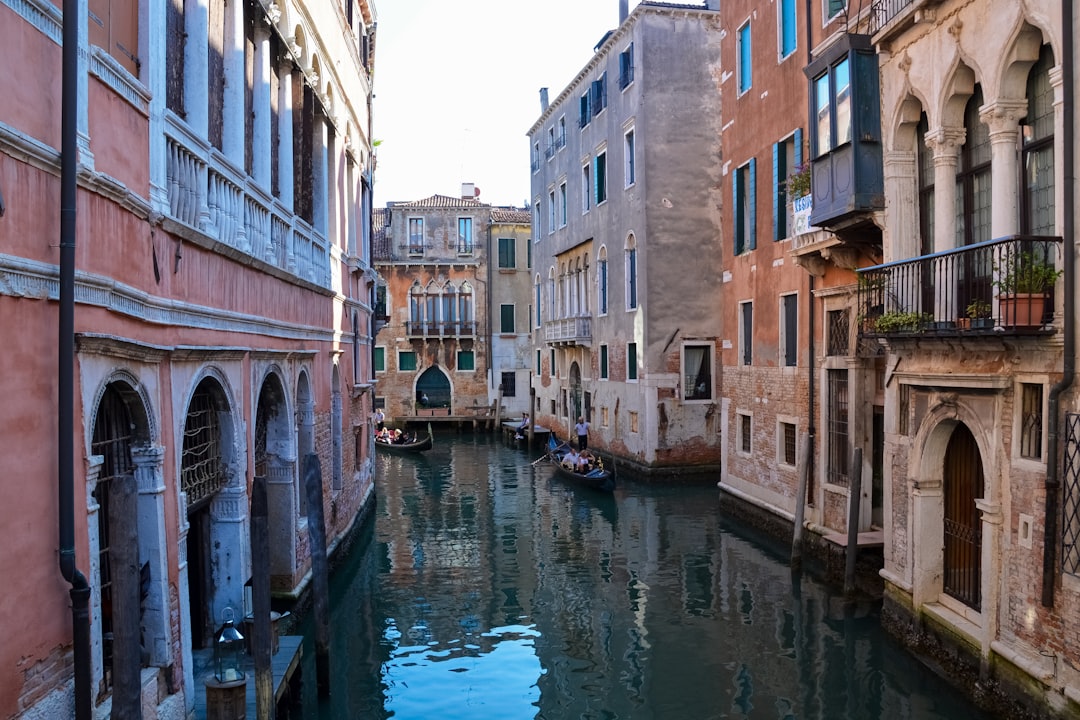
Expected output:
{"points": [[543, 100], [624, 10], [468, 191]]}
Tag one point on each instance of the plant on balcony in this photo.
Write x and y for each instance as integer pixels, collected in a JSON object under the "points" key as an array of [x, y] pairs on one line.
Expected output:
{"points": [[798, 182], [898, 321], [1024, 281], [978, 309]]}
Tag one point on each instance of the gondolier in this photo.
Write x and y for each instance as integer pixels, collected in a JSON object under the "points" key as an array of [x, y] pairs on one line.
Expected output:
{"points": [[582, 430]]}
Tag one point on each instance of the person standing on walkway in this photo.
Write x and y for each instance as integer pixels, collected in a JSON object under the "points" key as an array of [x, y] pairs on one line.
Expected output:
{"points": [[380, 419], [582, 430]]}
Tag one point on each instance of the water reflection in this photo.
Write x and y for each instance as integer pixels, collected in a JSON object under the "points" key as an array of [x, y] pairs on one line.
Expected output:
{"points": [[486, 588]]}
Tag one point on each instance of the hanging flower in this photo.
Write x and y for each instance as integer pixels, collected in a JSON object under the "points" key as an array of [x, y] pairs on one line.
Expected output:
{"points": [[798, 182]]}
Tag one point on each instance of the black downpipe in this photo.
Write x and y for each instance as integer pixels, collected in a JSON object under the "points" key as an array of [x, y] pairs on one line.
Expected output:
{"points": [[80, 588], [811, 431], [1053, 482]]}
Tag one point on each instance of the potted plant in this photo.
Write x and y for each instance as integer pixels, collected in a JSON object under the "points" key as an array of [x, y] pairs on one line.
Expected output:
{"points": [[978, 315], [1023, 283], [798, 182], [899, 321]]}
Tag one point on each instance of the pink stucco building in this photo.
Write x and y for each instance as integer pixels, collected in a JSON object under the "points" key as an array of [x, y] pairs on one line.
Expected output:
{"points": [[185, 295]]}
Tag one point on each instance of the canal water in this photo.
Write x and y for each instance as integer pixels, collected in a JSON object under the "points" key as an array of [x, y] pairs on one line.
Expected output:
{"points": [[487, 588]]}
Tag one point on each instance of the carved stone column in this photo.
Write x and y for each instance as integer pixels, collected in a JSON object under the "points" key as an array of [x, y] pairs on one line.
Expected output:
{"points": [[1003, 119], [153, 550], [945, 143]]}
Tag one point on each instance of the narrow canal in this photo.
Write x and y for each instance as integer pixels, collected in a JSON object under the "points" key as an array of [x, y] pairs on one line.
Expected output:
{"points": [[487, 588]]}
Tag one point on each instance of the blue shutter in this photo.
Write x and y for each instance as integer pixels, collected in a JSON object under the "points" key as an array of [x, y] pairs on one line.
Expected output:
{"points": [[777, 150], [798, 147], [787, 19], [752, 202], [736, 216]]}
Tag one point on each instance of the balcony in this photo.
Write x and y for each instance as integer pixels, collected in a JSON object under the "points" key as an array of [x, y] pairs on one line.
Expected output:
{"points": [[443, 329], [996, 288], [210, 196], [569, 331], [894, 16]]}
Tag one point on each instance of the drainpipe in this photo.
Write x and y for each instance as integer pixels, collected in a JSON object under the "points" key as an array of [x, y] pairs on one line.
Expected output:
{"points": [[491, 308], [811, 429], [80, 588], [1053, 482]]}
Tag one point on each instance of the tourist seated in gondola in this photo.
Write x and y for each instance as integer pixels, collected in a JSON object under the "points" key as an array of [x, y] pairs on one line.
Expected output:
{"points": [[384, 435], [399, 437], [585, 461], [570, 460]]}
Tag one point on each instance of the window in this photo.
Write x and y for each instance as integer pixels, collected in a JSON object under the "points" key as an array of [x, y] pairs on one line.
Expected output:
{"points": [[746, 333], [789, 330], [832, 107], [1031, 422], [560, 139], [465, 236], [416, 236], [114, 27], [536, 222], [466, 360], [745, 444], [602, 282], [744, 184], [586, 188], [600, 177], [562, 204], [554, 370], [465, 309], [697, 372], [745, 59], [628, 154], [631, 361], [507, 261], [506, 319], [584, 112], [536, 156], [604, 418], [626, 67], [537, 362], [537, 304], [1037, 197], [839, 331], [603, 362], [925, 167], [786, 27], [837, 468], [551, 211], [598, 95], [378, 359], [509, 384], [631, 278], [633, 421], [973, 197], [787, 444], [550, 150], [406, 360], [834, 7], [787, 159]]}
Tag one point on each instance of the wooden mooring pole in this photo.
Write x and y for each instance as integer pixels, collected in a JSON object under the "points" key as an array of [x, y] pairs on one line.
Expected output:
{"points": [[320, 584], [261, 641], [854, 504], [800, 502]]}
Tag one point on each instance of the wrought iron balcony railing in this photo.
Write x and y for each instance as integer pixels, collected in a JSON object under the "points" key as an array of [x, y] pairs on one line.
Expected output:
{"points": [[449, 328], [999, 286]]}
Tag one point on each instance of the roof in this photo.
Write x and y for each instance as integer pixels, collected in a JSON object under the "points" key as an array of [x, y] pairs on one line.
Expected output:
{"points": [[380, 239], [436, 202], [510, 216]]}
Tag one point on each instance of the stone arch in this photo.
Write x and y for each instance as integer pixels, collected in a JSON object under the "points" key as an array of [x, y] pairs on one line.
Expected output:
{"points": [[905, 119], [122, 458], [1020, 54], [958, 88], [274, 458], [300, 48], [437, 385], [215, 499]]}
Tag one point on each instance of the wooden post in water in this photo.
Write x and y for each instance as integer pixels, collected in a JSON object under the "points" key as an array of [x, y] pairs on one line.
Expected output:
{"points": [[532, 411], [854, 504], [261, 640], [320, 584], [497, 423], [123, 543], [800, 502]]}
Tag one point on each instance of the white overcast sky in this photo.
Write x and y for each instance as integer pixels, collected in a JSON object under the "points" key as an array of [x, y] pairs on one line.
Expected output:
{"points": [[457, 86]]}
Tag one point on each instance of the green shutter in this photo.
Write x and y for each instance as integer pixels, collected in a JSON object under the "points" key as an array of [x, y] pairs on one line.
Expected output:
{"points": [[778, 191], [751, 243], [379, 359]]}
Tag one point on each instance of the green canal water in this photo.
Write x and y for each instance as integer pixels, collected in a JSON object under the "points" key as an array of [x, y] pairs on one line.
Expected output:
{"points": [[486, 588]]}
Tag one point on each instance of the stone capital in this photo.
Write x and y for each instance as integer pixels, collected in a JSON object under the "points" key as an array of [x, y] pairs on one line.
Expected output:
{"points": [[945, 143], [1003, 118]]}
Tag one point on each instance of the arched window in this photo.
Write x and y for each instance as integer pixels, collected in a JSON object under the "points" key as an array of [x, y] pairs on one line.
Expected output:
{"points": [[536, 301], [602, 281], [631, 273], [973, 185], [431, 308], [449, 309], [551, 293], [925, 163], [416, 308], [1037, 196], [465, 309]]}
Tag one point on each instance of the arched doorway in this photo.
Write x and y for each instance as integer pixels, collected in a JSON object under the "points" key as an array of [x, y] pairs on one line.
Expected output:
{"points": [[434, 383], [962, 485], [274, 460]]}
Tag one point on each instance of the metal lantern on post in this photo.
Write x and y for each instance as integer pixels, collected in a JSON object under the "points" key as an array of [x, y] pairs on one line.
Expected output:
{"points": [[228, 651]]}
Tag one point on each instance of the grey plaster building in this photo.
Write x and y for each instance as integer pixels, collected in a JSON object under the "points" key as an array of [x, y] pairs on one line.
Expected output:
{"points": [[626, 193]]}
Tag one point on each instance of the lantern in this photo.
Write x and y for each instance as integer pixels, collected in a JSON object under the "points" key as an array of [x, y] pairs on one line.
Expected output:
{"points": [[228, 651]]}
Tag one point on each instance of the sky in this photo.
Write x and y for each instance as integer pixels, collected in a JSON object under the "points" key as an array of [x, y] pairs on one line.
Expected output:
{"points": [[457, 87]]}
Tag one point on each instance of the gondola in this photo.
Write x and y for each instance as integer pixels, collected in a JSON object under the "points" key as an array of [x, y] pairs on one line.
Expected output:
{"points": [[599, 478], [407, 448]]}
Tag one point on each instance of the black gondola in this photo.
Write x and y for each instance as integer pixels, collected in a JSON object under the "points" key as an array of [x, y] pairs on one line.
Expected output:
{"points": [[414, 446], [598, 478]]}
